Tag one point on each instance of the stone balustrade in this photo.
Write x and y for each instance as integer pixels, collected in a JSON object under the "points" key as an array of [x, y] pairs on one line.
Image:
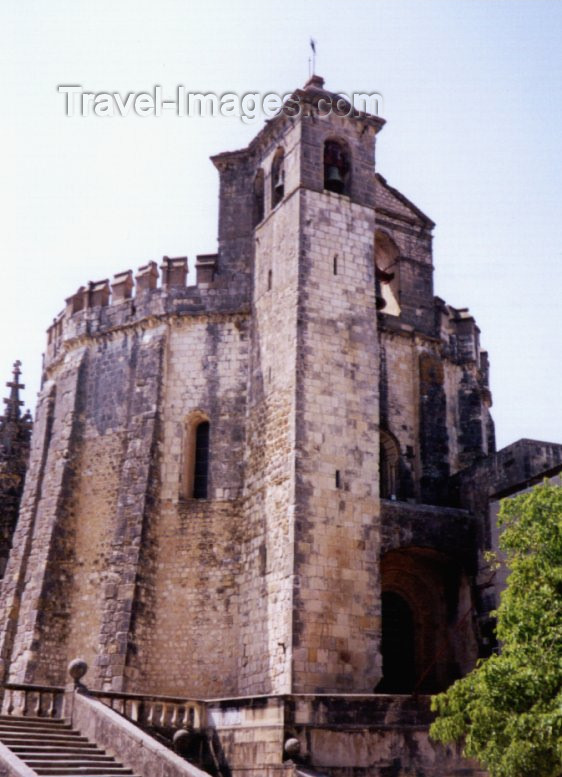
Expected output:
{"points": [[165, 712], [42, 701]]}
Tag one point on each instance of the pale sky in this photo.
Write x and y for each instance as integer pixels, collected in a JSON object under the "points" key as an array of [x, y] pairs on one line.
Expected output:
{"points": [[472, 97]]}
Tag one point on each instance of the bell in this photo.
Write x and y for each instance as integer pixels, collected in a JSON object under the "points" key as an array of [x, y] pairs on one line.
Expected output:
{"points": [[280, 181], [334, 180]]}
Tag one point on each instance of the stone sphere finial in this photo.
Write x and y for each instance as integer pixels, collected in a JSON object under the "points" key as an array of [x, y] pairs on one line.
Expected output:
{"points": [[182, 739], [77, 668], [292, 746]]}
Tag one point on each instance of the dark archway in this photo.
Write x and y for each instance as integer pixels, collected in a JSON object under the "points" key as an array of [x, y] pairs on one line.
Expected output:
{"points": [[425, 600], [398, 645]]}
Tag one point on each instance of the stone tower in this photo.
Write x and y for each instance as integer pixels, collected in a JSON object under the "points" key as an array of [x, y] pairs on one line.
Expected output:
{"points": [[312, 412], [268, 490]]}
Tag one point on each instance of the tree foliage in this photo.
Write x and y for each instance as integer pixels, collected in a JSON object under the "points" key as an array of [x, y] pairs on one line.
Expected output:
{"points": [[508, 710]]}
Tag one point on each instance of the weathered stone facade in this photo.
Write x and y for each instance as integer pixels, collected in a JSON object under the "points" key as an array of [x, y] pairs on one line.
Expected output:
{"points": [[332, 545]]}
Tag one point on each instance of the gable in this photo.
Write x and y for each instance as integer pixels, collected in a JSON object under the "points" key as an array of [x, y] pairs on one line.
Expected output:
{"points": [[391, 201]]}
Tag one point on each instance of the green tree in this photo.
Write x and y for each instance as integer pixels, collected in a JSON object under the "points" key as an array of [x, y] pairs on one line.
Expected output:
{"points": [[508, 710]]}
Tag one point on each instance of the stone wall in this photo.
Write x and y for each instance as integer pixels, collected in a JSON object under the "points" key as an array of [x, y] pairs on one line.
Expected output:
{"points": [[128, 572], [337, 616], [187, 610], [34, 617], [270, 458], [338, 736]]}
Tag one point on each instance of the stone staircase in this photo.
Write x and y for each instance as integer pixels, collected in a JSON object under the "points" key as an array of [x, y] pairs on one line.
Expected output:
{"points": [[51, 747]]}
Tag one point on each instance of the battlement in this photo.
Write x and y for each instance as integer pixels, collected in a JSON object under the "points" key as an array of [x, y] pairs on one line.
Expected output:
{"points": [[150, 292]]}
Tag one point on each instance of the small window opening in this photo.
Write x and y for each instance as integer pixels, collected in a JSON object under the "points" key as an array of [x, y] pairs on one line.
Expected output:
{"points": [[335, 264], [201, 461], [269, 280], [336, 167], [259, 197], [387, 273], [278, 178], [338, 479], [389, 461]]}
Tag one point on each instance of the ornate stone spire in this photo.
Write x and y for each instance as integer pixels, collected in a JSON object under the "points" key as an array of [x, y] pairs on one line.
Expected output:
{"points": [[11, 421], [15, 433]]}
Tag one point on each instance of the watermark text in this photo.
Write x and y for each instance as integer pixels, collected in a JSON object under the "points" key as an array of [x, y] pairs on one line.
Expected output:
{"points": [[248, 107]]}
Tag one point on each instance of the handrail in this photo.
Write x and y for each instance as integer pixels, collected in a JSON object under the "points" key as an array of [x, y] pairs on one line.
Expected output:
{"points": [[34, 687], [144, 696]]}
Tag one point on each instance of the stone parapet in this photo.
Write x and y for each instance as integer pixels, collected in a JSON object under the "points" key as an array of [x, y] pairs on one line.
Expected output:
{"points": [[102, 306], [138, 750], [444, 529], [369, 735]]}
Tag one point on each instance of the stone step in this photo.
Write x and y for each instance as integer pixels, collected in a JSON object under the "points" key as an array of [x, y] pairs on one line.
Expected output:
{"points": [[23, 738], [77, 769], [97, 766], [47, 749], [51, 748], [17, 720], [36, 731], [40, 759]]}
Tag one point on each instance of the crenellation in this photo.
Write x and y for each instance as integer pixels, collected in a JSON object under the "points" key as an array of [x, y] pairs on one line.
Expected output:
{"points": [[146, 278], [206, 268], [101, 307], [122, 287], [75, 302], [97, 294], [174, 272]]}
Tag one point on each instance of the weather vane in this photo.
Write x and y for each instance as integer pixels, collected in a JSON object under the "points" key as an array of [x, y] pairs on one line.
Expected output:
{"points": [[312, 60]]}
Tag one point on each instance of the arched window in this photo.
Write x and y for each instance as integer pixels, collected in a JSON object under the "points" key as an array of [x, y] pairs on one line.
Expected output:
{"points": [[259, 192], [337, 167], [388, 465], [387, 273], [278, 177], [196, 458], [201, 466]]}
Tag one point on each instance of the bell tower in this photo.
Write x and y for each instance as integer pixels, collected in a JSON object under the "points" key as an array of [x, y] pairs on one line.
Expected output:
{"points": [[312, 445]]}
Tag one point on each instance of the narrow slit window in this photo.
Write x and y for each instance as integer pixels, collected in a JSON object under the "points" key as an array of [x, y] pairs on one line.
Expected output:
{"points": [[278, 178], [259, 197], [201, 461]]}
